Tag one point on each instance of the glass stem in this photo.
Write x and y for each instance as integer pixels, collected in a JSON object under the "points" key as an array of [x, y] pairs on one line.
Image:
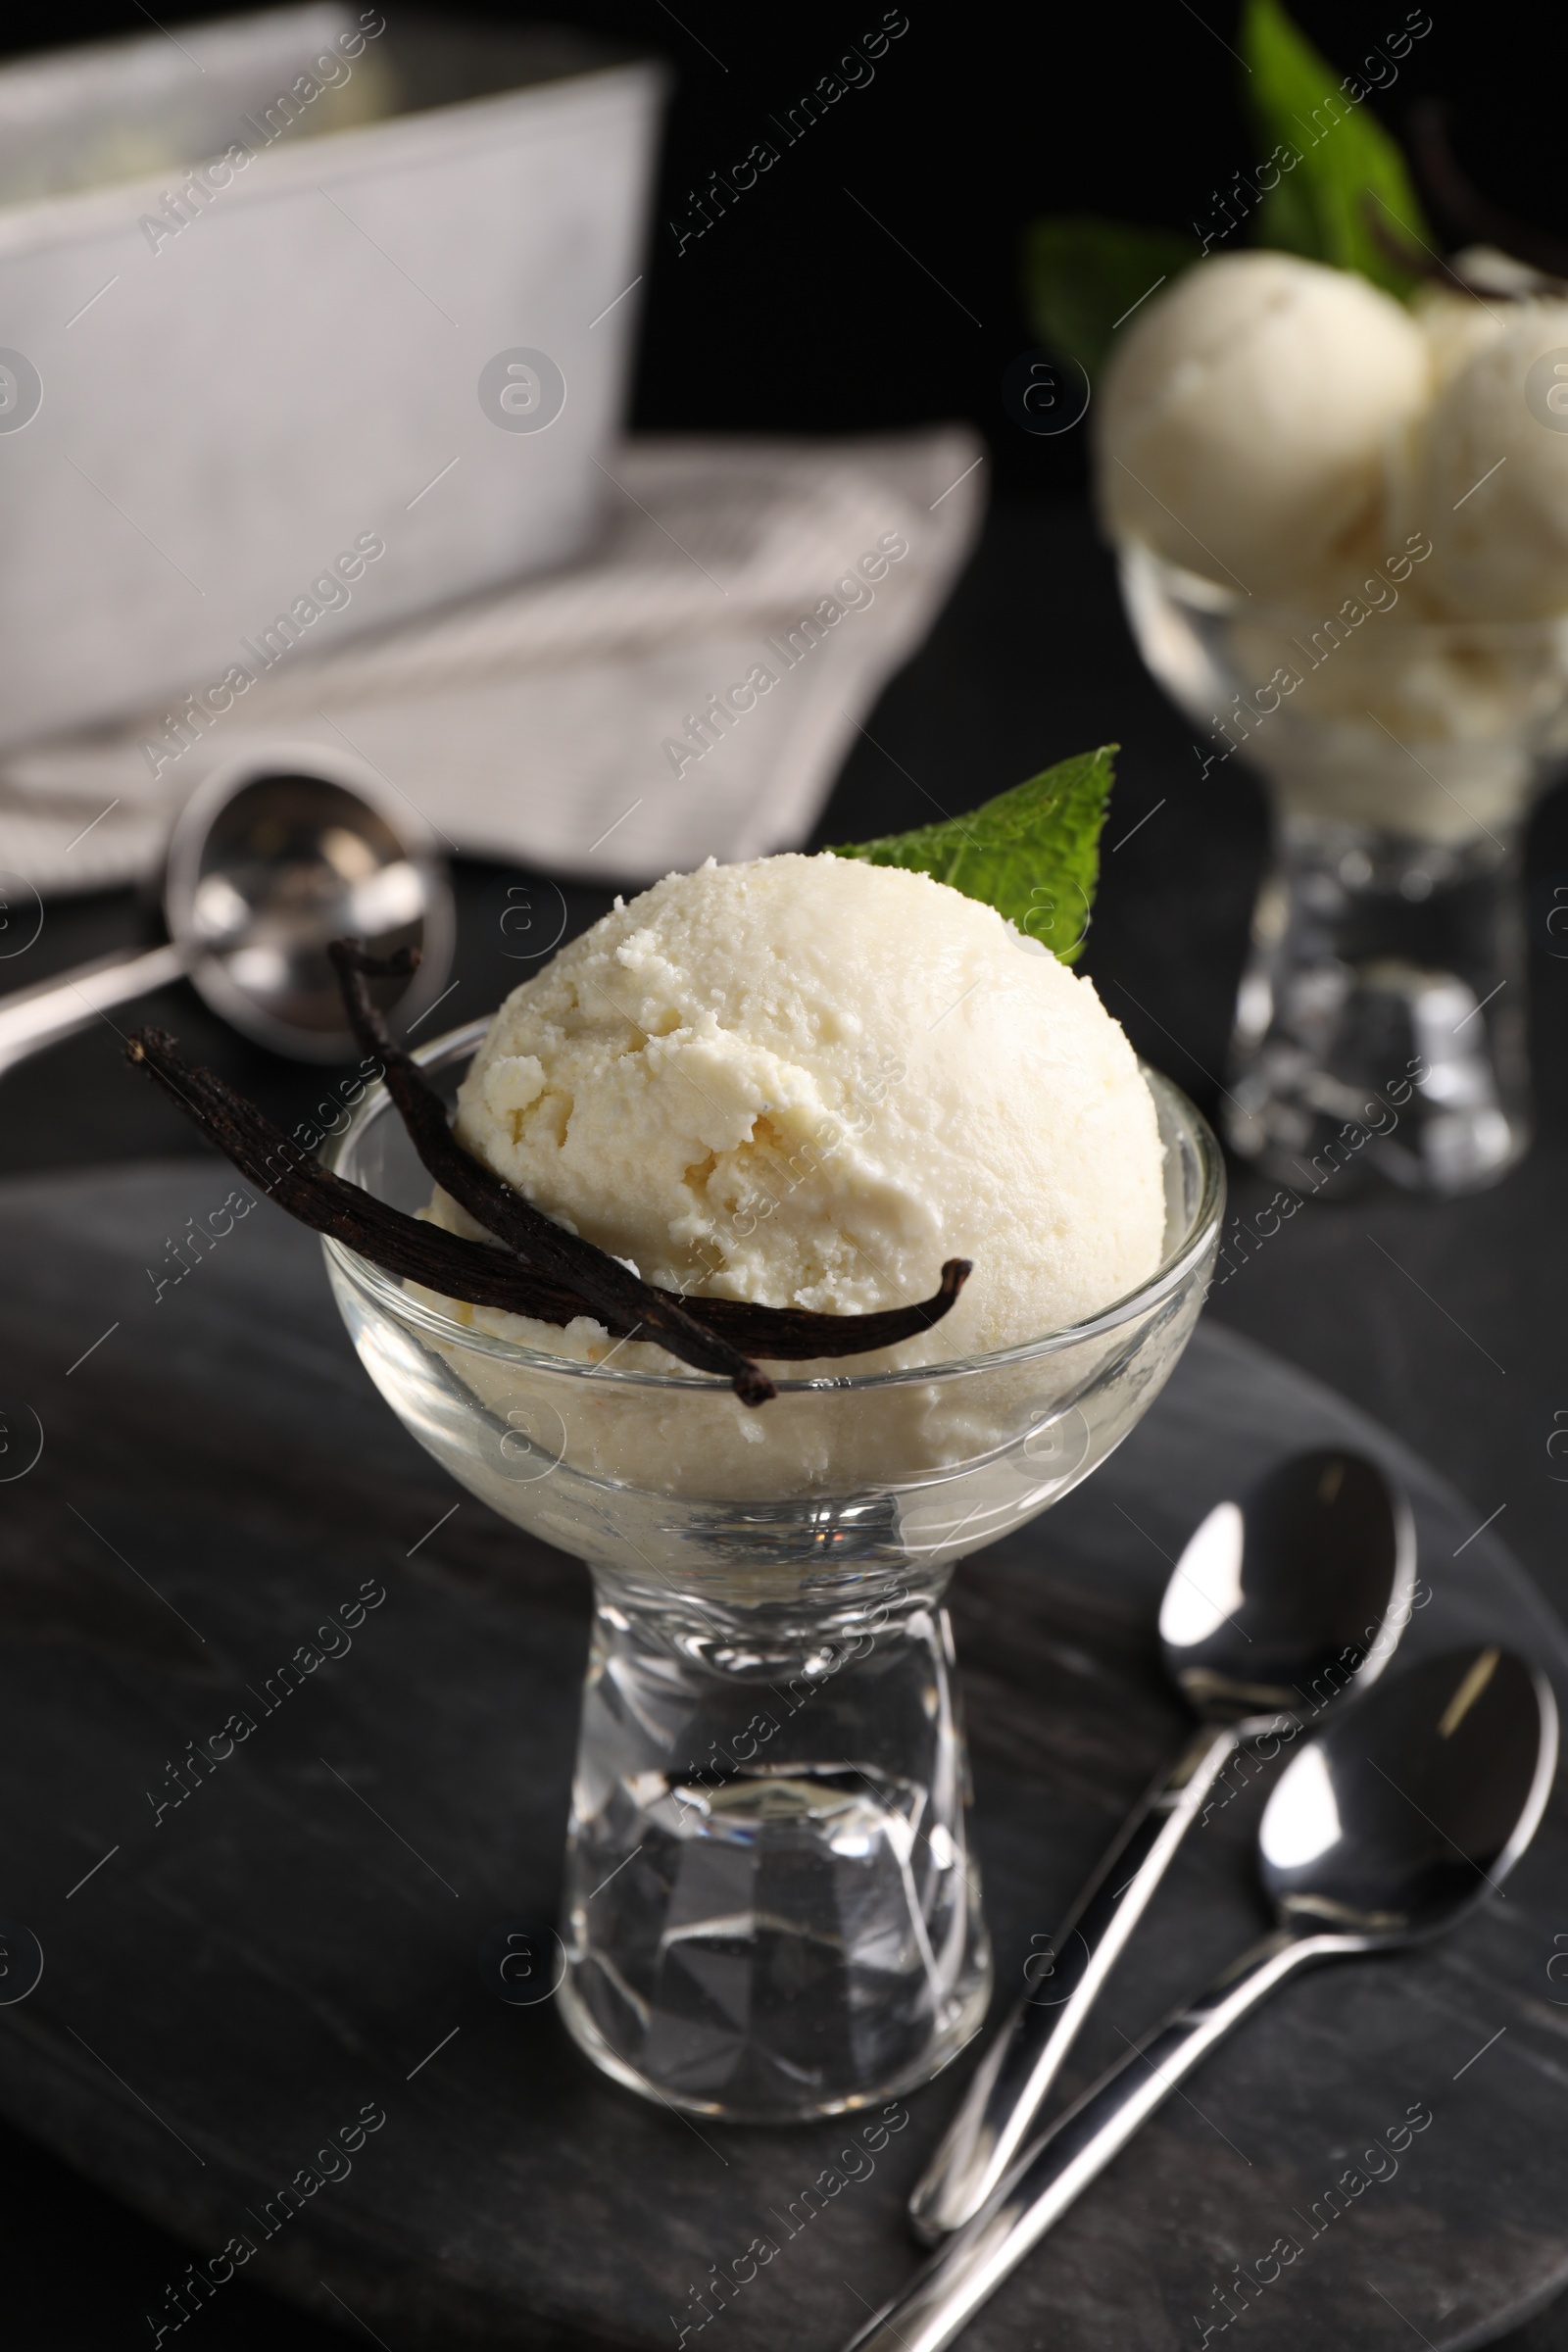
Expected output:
{"points": [[771, 1908], [1380, 1023]]}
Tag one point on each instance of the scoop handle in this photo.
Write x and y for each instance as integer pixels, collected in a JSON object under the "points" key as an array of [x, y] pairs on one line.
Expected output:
{"points": [[34, 1017], [1013, 2079], [971, 2265]]}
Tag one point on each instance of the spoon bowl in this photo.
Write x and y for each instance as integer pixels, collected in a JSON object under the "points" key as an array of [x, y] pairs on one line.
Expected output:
{"points": [[1283, 1598], [272, 859], [1406, 1813], [268, 864]]}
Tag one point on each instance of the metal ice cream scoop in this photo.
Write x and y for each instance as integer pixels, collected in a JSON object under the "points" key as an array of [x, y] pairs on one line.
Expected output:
{"points": [[269, 860]]}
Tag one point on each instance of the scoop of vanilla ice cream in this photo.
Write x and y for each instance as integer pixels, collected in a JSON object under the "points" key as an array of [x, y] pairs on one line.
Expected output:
{"points": [[807, 1081], [1455, 327], [1248, 415], [1493, 477]]}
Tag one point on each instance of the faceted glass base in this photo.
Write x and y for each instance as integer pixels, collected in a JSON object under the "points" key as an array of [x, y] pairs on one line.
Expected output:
{"points": [[1380, 1022], [966, 2023], [764, 1920]]}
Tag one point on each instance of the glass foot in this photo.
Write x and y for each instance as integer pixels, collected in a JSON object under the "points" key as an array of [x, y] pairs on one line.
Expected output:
{"points": [[772, 1913], [1380, 1022]]}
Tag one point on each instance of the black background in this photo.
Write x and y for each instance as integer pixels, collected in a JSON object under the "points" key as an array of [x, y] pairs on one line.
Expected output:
{"points": [[799, 314]]}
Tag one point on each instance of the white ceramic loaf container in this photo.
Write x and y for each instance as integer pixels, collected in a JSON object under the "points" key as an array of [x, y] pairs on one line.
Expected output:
{"points": [[216, 383]]}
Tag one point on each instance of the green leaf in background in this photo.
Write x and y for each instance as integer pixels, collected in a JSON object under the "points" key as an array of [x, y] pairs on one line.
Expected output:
{"points": [[1083, 275], [1032, 852], [1348, 167]]}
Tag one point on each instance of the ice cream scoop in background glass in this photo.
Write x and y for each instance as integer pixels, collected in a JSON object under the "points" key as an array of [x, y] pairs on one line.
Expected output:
{"points": [[772, 1909], [1344, 539], [1380, 1022]]}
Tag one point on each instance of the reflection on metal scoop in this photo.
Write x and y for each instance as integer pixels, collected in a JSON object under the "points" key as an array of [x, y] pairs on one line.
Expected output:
{"points": [[270, 858]]}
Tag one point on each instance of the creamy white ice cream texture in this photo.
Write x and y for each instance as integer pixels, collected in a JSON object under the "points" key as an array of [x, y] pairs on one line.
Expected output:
{"points": [[1289, 427], [1248, 415], [807, 1081], [1433, 733], [1456, 326], [1494, 477]]}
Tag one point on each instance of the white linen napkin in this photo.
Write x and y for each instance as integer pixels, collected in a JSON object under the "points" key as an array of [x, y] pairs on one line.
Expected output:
{"points": [[690, 689]]}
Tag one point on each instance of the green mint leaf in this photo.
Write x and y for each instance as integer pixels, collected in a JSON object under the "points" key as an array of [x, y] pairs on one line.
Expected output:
{"points": [[1082, 276], [1032, 852], [1347, 170]]}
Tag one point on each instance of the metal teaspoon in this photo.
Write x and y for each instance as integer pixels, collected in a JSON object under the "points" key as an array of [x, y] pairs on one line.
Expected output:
{"points": [[1387, 1829], [1280, 1603]]}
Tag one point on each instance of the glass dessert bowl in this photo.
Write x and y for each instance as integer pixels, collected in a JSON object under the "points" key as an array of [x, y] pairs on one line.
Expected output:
{"points": [[1381, 1015], [770, 1907]]}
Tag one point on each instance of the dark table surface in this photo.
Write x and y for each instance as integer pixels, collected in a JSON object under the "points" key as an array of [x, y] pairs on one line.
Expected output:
{"points": [[1443, 1322]]}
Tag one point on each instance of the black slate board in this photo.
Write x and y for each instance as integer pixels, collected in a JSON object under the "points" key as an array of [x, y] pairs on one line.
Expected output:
{"points": [[237, 1981]]}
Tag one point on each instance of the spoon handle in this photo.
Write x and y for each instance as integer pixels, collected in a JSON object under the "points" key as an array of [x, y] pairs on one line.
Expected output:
{"points": [[1076, 2149], [34, 1017], [1015, 2079]]}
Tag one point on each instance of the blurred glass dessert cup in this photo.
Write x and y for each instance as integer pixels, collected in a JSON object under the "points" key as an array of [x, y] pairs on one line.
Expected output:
{"points": [[772, 1909], [1380, 1022]]}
